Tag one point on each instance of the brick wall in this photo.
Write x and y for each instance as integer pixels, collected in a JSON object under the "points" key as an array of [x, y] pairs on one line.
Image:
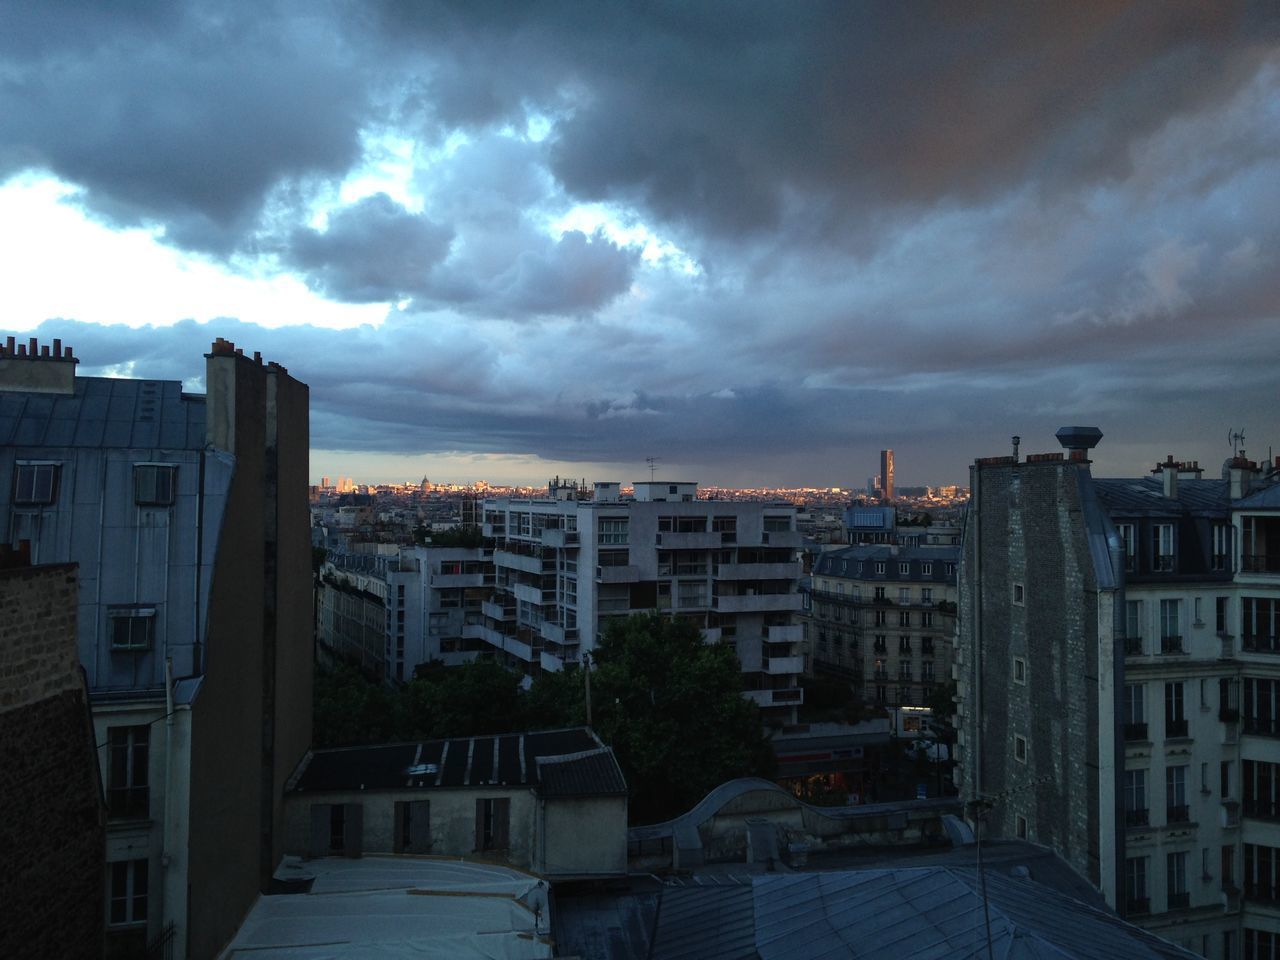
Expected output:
{"points": [[53, 831]]}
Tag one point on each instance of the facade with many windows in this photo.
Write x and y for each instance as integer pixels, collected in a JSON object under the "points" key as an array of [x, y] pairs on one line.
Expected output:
{"points": [[187, 517], [1142, 612], [565, 565], [882, 617]]}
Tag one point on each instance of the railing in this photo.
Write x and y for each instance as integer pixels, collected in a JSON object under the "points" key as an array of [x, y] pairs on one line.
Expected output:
{"points": [[1231, 813], [1136, 818], [1179, 901], [1260, 563], [1135, 731], [128, 803], [161, 948], [1262, 726], [1137, 905], [1180, 813], [1258, 809], [1261, 892], [1132, 646], [1260, 643], [1162, 563], [1228, 714], [1175, 728], [1171, 644]]}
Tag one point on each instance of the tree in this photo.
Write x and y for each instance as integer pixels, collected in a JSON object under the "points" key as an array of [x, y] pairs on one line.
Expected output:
{"points": [[350, 709], [671, 706], [458, 537], [473, 699]]}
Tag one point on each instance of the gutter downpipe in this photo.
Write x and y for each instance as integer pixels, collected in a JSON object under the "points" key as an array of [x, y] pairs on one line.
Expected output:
{"points": [[1116, 551], [975, 512]]}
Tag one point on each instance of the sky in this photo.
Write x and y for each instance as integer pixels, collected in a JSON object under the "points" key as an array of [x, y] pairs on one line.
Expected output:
{"points": [[756, 241]]}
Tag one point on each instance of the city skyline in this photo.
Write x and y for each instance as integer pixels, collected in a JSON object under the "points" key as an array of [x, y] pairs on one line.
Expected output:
{"points": [[757, 242]]}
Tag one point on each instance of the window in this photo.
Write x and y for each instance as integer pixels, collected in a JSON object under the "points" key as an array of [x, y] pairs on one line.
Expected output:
{"points": [[1135, 714], [1018, 594], [926, 569], [1175, 795], [128, 795], [612, 530], [1260, 789], [1175, 719], [127, 895], [904, 645], [1176, 880], [337, 829], [413, 826], [1022, 828], [1220, 615], [1130, 546], [904, 594], [1261, 706], [1261, 873], [1133, 620], [926, 619], [880, 693], [926, 595], [904, 569], [153, 484], [881, 618], [1020, 748], [879, 593], [951, 569], [36, 483], [1162, 546], [904, 618], [493, 817], [1135, 798], [777, 524], [131, 628], [926, 670], [1170, 632], [1019, 670], [1135, 886], [1220, 559], [880, 566]]}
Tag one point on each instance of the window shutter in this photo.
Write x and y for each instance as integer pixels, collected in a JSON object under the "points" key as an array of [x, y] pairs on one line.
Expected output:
{"points": [[501, 823], [419, 839], [319, 829], [400, 843], [355, 829], [479, 844]]}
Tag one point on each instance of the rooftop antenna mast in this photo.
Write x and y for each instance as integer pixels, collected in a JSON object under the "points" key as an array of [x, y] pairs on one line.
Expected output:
{"points": [[1235, 438], [652, 461]]}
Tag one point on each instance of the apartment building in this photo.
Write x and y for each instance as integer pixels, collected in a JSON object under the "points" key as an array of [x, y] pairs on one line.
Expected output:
{"points": [[187, 518], [1119, 679], [882, 617], [566, 564]]}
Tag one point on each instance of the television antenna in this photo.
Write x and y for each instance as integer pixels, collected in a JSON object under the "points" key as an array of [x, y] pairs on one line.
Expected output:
{"points": [[1235, 438], [652, 468]]}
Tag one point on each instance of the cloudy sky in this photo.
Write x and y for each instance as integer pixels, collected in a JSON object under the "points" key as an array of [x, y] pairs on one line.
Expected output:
{"points": [[758, 241]]}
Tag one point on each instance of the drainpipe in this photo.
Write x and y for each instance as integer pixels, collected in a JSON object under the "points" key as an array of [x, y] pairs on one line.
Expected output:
{"points": [[1116, 550], [975, 511], [166, 845]]}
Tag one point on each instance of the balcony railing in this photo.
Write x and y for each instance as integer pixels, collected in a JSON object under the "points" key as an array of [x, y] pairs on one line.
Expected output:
{"points": [[1135, 731], [1260, 643], [128, 803], [1261, 892], [1181, 813], [1228, 714], [1179, 901], [1162, 563], [1133, 646], [1260, 563], [1136, 818], [1262, 726], [1175, 728], [1260, 809], [1171, 644]]}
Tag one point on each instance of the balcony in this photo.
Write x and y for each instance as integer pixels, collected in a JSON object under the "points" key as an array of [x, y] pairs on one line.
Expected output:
{"points": [[1133, 646], [782, 665], [559, 538], [497, 611], [788, 633], [618, 574], [1260, 643], [669, 540], [1135, 732], [473, 631], [551, 662], [1260, 563], [1163, 563], [1136, 818], [1171, 644], [1262, 726], [1180, 813], [758, 602], [758, 571], [781, 538], [531, 594], [517, 561], [1179, 901], [443, 581], [1174, 729], [786, 697], [1261, 809]]}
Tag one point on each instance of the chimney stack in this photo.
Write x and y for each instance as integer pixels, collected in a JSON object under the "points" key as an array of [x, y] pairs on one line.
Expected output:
{"points": [[1078, 441], [32, 368]]}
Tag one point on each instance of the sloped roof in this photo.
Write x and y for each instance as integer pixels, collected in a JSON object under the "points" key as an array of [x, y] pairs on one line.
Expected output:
{"points": [[105, 412], [591, 773], [918, 912], [1144, 496], [1268, 498], [506, 759]]}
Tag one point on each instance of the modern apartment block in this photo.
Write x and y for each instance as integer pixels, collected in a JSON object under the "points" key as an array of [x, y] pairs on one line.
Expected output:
{"points": [[1119, 683], [187, 518], [882, 617], [566, 564]]}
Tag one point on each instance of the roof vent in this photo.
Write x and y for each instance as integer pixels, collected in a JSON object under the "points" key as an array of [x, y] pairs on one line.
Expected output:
{"points": [[420, 769], [1079, 440]]}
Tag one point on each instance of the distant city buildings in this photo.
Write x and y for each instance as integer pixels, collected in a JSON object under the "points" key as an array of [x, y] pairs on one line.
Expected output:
{"points": [[886, 476], [1119, 683]]}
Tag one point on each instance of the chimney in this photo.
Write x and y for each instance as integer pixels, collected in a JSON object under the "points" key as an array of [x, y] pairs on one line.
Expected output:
{"points": [[1169, 474], [32, 368], [1239, 472], [1078, 441]]}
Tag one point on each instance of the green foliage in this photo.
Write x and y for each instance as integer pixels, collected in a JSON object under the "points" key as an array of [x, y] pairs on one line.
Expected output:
{"points": [[460, 537], [672, 708], [830, 700], [472, 699], [349, 709]]}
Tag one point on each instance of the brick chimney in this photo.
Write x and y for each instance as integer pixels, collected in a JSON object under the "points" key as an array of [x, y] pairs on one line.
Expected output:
{"points": [[1169, 471], [32, 368]]}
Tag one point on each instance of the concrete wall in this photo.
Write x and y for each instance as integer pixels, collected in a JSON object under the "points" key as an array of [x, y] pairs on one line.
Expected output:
{"points": [[453, 821], [53, 832], [586, 835]]}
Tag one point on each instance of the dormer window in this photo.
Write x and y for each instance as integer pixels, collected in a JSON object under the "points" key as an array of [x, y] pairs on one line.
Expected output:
{"points": [[153, 484], [36, 483], [132, 627]]}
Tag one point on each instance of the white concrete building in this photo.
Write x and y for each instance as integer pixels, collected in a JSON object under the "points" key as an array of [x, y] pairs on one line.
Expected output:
{"points": [[566, 564]]}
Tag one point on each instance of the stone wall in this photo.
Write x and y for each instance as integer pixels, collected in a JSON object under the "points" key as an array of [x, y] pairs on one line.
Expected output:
{"points": [[53, 834]]}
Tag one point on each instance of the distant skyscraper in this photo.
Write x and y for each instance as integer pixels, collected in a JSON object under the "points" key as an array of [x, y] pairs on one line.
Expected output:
{"points": [[886, 475], [324, 482]]}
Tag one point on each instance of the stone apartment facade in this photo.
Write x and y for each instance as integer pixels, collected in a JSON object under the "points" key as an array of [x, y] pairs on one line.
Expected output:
{"points": [[55, 826], [566, 564], [1118, 676], [187, 517]]}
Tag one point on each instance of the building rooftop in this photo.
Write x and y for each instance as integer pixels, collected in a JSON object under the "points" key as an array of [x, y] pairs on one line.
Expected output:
{"points": [[1145, 496], [510, 759], [105, 412]]}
